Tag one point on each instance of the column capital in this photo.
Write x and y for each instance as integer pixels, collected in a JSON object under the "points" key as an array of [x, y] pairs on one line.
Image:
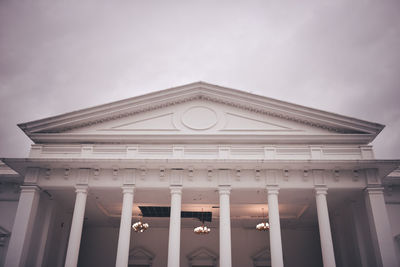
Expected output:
{"points": [[127, 189], [81, 189], [321, 190], [29, 188], [176, 189], [224, 190], [273, 190], [374, 190]]}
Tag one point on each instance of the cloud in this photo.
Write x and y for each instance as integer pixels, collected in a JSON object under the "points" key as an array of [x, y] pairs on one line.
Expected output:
{"points": [[337, 56]]}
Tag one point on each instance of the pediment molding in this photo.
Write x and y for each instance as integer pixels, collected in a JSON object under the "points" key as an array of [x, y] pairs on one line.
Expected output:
{"points": [[109, 116], [262, 258], [140, 255], [202, 257], [336, 124]]}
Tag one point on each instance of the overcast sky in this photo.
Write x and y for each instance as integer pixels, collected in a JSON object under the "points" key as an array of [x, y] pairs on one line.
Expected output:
{"points": [[338, 56]]}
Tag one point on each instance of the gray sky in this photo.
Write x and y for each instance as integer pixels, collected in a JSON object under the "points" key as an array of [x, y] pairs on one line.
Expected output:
{"points": [[338, 56]]}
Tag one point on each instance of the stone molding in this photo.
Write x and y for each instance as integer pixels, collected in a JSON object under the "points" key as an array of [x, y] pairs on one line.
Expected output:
{"points": [[201, 256], [140, 255]]}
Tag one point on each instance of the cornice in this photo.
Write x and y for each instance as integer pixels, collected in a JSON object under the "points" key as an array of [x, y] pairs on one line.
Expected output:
{"points": [[253, 138]]}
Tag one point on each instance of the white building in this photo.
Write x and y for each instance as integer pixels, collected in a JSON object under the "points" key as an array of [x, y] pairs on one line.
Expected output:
{"points": [[200, 152]]}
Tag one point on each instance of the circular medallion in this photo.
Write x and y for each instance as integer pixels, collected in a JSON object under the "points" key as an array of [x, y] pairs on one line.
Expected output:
{"points": [[199, 118]]}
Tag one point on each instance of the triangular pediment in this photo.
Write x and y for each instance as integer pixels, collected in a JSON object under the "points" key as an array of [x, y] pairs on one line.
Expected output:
{"points": [[198, 110], [199, 117]]}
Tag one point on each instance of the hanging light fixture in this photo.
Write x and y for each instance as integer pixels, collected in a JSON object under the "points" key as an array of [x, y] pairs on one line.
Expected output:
{"points": [[263, 226], [140, 227], [202, 230]]}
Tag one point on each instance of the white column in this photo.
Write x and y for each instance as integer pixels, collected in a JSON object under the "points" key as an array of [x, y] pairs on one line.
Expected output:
{"points": [[125, 227], [380, 228], [75, 235], [23, 224], [175, 227], [225, 250], [274, 227], [328, 255]]}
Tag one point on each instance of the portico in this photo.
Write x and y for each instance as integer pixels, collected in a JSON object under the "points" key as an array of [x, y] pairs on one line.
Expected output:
{"points": [[231, 198], [203, 148]]}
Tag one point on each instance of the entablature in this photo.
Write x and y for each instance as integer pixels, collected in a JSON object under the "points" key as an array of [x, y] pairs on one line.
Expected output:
{"points": [[203, 174]]}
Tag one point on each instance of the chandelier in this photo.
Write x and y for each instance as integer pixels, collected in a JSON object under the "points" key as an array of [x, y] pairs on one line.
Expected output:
{"points": [[140, 227], [202, 230], [263, 226]]}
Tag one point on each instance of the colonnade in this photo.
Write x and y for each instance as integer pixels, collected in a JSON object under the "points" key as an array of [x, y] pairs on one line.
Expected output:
{"points": [[29, 199], [225, 250]]}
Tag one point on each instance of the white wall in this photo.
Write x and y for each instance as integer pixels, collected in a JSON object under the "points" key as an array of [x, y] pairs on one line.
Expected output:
{"points": [[344, 238], [8, 210], [58, 237], [392, 198], [351, 235], [301, 246], [98, 246]]}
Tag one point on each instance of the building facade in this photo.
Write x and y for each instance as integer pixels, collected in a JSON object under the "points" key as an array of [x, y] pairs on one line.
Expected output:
{"points": [[197, 155]]}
